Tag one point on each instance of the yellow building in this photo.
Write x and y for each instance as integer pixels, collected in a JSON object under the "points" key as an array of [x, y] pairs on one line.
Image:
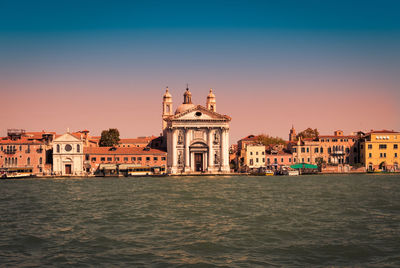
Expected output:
{"points": [[255, 156], [380, 150]]}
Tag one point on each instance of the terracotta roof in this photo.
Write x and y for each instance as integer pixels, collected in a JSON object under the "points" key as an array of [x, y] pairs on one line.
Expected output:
{"points": [[122, 150], [382, 131], [22, 140], [337, 137], [249, 138], [138, 140]]}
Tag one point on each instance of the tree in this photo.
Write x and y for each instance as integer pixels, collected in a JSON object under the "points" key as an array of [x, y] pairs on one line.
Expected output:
{"points": [[268, 140], [320, 162], [109, 137], [308, 133]]}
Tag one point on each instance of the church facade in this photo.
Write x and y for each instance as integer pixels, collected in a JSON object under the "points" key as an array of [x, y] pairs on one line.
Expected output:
{"points": [[68, 155], [197, 137]]}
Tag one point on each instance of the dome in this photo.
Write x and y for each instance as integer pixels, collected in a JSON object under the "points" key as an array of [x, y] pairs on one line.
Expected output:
{"points": [[167, 94], [211, 95], [184, 107]]}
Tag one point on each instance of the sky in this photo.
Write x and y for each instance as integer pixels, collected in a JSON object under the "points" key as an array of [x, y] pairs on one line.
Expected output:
{"points": [[272, 64]]}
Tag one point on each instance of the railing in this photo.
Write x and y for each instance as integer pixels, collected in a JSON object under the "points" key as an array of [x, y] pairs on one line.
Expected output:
{"points": [[337, 152], [10, 151]]}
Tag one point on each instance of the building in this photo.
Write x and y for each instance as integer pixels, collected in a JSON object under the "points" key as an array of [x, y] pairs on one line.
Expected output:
{"points": [[255, 156], [68, 155], [99, 158], [380, 150], [137, 142], [24, 151], [336, 149], [277, 160], [197, 137]]}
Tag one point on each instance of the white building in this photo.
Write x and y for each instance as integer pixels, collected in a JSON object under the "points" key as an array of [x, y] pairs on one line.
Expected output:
{"points": [[67, 155], [197, 136]]}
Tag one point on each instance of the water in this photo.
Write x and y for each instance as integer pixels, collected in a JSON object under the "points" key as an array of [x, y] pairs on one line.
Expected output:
{"points": [[351, 220]]}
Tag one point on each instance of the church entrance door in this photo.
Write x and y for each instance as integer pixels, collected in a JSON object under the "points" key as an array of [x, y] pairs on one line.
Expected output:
{"points": [[68, 169], [198, 162]]}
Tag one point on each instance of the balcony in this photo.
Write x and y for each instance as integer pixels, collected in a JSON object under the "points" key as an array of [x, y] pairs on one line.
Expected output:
{"points": [[338, 152], [10, 151]]}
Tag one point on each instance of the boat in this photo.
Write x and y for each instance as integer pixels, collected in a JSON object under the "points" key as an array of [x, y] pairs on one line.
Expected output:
{"points": [[269, 173], [17, 173]]}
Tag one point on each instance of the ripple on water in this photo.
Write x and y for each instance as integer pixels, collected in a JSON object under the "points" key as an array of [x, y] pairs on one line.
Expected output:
{"points": [[201, 221]]}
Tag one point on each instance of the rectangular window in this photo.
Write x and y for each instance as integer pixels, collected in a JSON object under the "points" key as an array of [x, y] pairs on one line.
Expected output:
{"points": [[290, 160], [294, 150], [251, 162], [275, 160], [369, 146], [256, 160], [370, 155], [155, 158], [133, 158], [109, 159], [147, 158], [395, 146], [308, 150], [282, 160], [322, 150], [103, 159], [268, 161], [361, 146], [117, 159], [382, 146], [256, 153], [308, 159], [251, 153], [303, 150], [139, 159], [263, 160], [262, 152], [126, 159], [316, 150], [163, 158], [93, 159], [395, 154], [302, 160]]}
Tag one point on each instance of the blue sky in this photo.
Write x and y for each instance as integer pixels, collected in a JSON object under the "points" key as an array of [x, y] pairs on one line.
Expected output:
{"points": [[257, 55]]}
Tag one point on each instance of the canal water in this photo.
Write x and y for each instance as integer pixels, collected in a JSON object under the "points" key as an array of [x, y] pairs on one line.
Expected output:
{"points": [[346, 220]]}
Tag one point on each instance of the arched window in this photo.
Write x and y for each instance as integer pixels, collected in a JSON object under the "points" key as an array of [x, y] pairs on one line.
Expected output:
{"points": [[6, 161], [78, 148], [16, 161], [58, 148], [28, 161], [40, 160], [20, 147]]}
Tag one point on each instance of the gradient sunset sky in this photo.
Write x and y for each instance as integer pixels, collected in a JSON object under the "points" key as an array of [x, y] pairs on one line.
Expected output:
{"points": [[101, 64]]}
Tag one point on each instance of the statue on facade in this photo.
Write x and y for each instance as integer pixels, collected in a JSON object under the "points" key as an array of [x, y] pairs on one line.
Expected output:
{"points": [[216, 159], [180, 137], [216, 138]]}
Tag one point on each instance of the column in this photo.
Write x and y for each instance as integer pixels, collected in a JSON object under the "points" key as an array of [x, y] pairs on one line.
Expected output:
{"points": [[225, 150], [187, 151], [174, 151], [210, 151]]}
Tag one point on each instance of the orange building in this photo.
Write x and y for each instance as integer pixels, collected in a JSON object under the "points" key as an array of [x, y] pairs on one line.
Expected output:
{"points": [[28, 151], [96, 157]]}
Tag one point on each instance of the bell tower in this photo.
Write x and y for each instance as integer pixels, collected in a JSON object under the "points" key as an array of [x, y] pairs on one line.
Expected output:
{"points": [[211, 103], [292, 134], [167, 108]]}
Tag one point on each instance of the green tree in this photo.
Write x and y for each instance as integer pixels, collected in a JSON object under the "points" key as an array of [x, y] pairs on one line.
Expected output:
{"points": [[320, 162], [309, 133], [109, 137], [268, 140]]}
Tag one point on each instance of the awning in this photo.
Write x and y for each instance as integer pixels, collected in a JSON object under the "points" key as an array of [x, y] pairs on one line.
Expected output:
{"points": [[127, 166], [107, 166], [304, 165]]}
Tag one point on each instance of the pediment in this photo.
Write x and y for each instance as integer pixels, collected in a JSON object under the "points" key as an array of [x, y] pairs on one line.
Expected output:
{"points": [[200, 113], [67, 137]]}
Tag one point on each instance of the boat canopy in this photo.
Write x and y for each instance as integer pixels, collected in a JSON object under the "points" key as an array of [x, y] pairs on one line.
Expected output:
{"points": [[304, 165]]}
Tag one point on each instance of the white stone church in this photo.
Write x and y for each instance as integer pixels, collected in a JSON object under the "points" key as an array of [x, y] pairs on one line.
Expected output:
{"points": [[197, 136]]}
